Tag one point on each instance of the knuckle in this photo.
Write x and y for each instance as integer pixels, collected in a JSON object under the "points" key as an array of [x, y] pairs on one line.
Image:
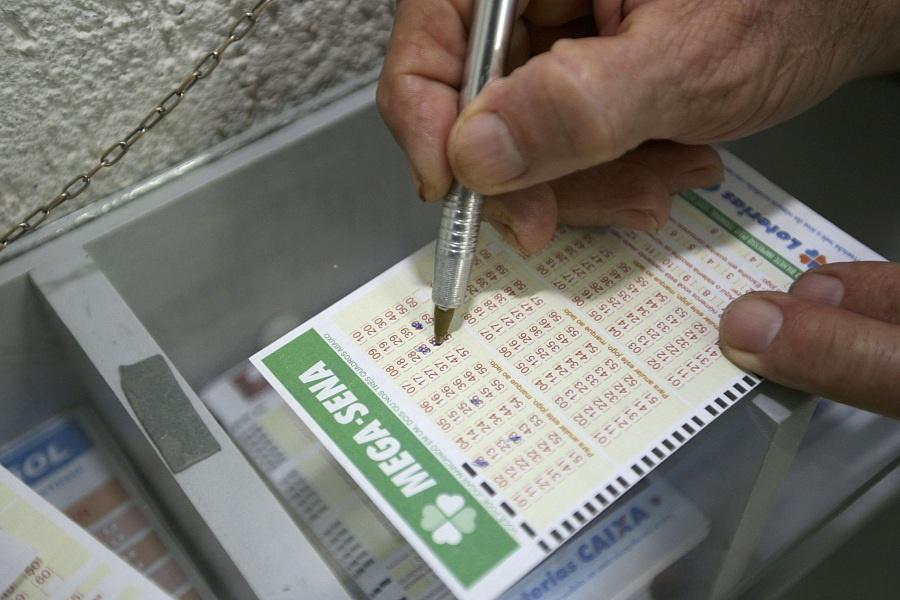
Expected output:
{"points": [[708, 155], [884, 283], [540, 208], [803, 334], [837, 350], [644, 187], [402, 103], [720, 60], [873, 287], [802, 327], [649, 195], [588, 123], [383, 98]]}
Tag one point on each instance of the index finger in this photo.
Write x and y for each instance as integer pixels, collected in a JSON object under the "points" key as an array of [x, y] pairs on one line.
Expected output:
{"points": [[866, 287], [417, 90]]}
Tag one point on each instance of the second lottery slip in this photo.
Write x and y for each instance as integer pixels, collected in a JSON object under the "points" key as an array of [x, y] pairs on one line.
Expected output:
{"points": [[61, 560], [63, 462], [571, 373]]}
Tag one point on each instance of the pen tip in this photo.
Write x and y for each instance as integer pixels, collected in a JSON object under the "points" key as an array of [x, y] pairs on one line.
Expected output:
{"points": [[442, 319]]}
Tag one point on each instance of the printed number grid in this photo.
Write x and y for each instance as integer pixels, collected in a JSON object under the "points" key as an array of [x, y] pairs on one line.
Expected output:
{"points": [[463, 390], [573, 361]]}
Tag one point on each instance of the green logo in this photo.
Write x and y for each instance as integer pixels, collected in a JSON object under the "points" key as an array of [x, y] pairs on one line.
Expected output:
{"points": [[448, 519], [748, 239], [443, 514]]}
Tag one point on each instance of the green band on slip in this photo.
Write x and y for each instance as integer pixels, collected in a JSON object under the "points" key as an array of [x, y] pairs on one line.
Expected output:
{"points": [[748, 239], [441, 512]]}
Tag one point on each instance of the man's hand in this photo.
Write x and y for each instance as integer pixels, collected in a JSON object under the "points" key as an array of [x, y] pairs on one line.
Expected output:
{"points": [[606, 114], [566, 137], [835, 333]]}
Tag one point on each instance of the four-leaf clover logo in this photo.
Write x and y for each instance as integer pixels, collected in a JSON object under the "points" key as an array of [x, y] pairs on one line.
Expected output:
{"points": [[812, 259], [448, 519]]}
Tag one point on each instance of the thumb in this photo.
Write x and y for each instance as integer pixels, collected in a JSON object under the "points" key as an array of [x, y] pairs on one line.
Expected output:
{"points": [[584, 102], [811, 340]]}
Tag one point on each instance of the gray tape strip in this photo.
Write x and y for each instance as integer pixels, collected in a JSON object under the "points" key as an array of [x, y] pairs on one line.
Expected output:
{"points": [[166, 413]]}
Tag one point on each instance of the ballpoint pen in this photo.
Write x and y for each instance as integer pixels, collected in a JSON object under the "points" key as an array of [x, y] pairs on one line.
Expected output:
{"points": [[461, 217]]}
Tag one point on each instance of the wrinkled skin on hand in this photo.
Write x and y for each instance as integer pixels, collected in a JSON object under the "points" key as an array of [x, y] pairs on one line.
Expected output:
{"points": [[573, 134], [608, 110]]}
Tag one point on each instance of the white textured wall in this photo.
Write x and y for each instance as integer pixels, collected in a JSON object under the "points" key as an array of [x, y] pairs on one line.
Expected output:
{"points": [[77, 75]]}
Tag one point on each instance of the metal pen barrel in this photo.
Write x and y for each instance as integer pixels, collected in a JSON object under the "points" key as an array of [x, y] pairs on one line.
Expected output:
{"points": [[461, 217]]}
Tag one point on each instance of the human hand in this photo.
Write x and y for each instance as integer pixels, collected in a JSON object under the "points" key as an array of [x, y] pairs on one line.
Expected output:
{"points": [[566, 137], [836, 333]]}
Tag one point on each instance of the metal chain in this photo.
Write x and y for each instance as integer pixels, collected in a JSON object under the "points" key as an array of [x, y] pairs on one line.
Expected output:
{"points": [[204, 67]]}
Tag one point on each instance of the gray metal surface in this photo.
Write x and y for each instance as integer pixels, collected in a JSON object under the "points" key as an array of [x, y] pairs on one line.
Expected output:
{"points": [[192, 271], [289, 224], [248, 543]]}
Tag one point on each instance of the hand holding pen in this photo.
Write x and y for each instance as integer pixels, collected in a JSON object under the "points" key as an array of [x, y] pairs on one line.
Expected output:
{"points": [[605, 111], [457, 239]]}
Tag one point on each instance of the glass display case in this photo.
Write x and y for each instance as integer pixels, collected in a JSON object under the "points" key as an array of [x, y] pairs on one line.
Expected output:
{"points": [[135, 327]]}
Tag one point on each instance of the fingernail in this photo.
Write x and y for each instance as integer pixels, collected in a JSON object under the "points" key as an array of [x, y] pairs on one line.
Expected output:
{"points": [[635, 219], [417, 183], [750, 324], [702, 177], [508, 236], [485, 150], [821, 289]]}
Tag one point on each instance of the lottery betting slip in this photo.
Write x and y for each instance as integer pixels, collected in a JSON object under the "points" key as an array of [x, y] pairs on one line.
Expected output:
{"points": [[63, 462], [365, 551], [53, 557], [571, 374]]}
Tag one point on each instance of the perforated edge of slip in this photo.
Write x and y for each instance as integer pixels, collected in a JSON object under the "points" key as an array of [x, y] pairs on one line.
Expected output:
{"points": [[610, 491], [518, 520]]}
